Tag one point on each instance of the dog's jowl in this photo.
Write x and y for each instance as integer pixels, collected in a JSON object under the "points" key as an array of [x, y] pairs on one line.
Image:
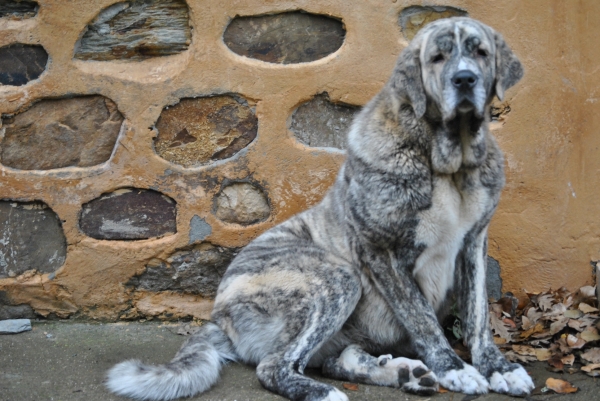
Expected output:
{"points": [[356, 285]]}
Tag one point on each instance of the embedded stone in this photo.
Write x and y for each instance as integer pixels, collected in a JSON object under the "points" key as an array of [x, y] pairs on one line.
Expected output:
{"points": [[195, 270], [32, 238], [322, 123], [413, 18], [242, 203], [129, 214], [493, 280], [292, 37], [199, 229], [18, 9], [201, 130], [80, 131], [16, 312], [136, 30], [21, 63]]}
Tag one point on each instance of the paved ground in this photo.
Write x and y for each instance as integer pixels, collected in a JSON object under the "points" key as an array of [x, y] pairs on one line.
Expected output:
{"points": [[62, 361]]}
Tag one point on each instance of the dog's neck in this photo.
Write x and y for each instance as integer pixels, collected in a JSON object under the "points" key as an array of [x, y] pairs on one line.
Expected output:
{"points": [[458, 143]]}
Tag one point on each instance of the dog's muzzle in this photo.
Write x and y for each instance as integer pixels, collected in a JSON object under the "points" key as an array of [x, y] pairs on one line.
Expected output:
{"points": [[464, 81]]}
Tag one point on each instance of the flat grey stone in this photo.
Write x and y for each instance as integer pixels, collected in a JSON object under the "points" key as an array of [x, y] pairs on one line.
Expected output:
{"points": [[32, 239], [14, 326]]}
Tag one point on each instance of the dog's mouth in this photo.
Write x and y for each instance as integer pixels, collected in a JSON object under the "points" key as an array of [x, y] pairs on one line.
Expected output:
{"points": [[465, 105]]}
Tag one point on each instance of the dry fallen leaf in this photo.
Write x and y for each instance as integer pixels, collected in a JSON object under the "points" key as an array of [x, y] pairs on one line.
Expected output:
{"points": [[568, 360], [534, 315], [545, 301], [526, 323], [585, 308], [350, 386], [560, 386], [592, 370], [556, 362], [590, 335], [593, 355], [543, 354], [575, 342], [558, 325], [573, 314], [442, 390], [514, 357], [523, 349], [538, 328], [499, 340], [500, 327]]}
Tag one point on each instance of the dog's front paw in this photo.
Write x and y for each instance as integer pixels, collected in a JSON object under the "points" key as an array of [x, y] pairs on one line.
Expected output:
{"points": [[515, 382], [466, 380], [413, 376]]}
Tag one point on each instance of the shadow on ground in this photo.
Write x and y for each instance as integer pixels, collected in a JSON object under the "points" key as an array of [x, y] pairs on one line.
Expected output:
{"points": [[63, 361]]}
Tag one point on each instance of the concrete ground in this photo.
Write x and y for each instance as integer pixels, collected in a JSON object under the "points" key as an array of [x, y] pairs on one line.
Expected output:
{"points": [[61, 361]]}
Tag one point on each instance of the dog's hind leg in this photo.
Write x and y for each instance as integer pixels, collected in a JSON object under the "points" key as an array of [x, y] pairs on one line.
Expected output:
{"points": [[356, 365], [319, 317]]}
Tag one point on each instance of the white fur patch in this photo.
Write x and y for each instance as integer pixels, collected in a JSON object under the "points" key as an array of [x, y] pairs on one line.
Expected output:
{"points": [[516, 382], [466, 380], [442, 228], [335, 395]]}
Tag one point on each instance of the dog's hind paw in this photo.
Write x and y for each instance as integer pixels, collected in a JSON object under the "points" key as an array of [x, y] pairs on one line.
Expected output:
{"points": [[413, 376], [466, 380], [516, 382]]}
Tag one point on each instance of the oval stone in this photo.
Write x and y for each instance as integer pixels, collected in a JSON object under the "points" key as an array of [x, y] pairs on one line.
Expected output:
{"points": [[292, 37], [32, 238], [79, 132], [20, 63], [322, 123], [129, 214], [197, 131], [136, 30]]}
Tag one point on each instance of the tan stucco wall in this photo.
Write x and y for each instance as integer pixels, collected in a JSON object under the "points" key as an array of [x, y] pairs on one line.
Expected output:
{"points": [[545, 233]]}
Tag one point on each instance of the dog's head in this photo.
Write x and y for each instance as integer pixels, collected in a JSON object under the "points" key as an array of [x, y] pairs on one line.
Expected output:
{"points": [[456, 65]]}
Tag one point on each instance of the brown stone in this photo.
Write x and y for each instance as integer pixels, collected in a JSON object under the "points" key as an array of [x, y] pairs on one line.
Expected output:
{"points": [[322, 123], [129, 214], [414, 18], [293, 37], [242, 203], [137, 30], [31, 238], [18, 9], [21, 63], [198, 131], [55, 133], [195, 270]]}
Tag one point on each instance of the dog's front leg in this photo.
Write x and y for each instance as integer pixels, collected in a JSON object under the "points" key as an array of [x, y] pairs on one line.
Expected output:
{"points": [[392, 275], [503, 376]]}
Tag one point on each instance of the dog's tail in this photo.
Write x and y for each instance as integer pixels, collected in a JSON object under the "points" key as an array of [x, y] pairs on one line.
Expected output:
{"points": [[194, 369]]}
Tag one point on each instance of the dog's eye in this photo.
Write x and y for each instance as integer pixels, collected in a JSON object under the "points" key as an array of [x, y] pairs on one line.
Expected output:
{"points": [[481, 53], [437, 58]]}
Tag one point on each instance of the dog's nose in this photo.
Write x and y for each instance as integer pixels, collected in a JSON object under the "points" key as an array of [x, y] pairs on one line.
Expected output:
{"points": [[464, 79]]}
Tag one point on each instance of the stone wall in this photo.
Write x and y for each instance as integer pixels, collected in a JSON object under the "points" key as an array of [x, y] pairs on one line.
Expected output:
{"points": [[143, 143]]}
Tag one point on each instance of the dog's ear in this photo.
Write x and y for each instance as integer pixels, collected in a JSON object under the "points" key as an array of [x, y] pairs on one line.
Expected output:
{"points": [[407, 79], [508, 67]]}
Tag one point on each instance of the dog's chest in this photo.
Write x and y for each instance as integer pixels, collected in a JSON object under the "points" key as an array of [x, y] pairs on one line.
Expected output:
{"points": [[455, 209]]}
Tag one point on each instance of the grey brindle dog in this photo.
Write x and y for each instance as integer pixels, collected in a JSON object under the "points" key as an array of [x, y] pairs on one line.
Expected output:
{"points": [[369, 269]]}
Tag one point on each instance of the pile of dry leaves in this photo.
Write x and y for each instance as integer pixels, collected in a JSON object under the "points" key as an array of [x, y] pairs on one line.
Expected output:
{"points": [[559, 327]]}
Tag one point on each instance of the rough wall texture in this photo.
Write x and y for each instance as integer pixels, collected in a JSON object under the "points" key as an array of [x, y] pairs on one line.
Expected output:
{"points": [[545, 233]]}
